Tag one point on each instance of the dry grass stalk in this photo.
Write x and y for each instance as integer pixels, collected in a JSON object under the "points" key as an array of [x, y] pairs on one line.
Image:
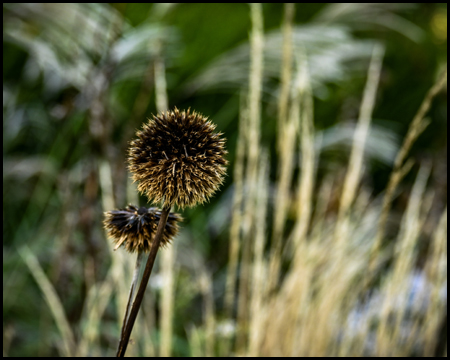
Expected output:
{"points": [[319, 219], [253, 146], [286, 70], [236, 214], [99, 295], [436, 270], [259, 268], [300, 121], [400, 169], [236, 217], [52, 299], [167, 300], [161, 99], [209, 320], [287, 134], [195, 342], [354, 171], [308, 156], [308, 310], [388, 335], [283, 196]]}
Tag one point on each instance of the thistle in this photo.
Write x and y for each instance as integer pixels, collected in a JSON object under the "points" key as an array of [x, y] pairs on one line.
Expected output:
{"points": [[135, 228], [178, 159]]}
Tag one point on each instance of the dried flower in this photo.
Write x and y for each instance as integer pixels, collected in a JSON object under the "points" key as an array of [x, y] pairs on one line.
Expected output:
{"points": [[135, 227], [178, 158]]}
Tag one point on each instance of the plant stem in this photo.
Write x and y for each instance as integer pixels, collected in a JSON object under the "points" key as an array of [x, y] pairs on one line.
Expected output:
{"points": [[145, 277], [132, 291]]}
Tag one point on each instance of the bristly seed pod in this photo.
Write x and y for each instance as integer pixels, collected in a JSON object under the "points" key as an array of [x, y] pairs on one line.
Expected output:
{"points": [[134, 227], [178, 159]]}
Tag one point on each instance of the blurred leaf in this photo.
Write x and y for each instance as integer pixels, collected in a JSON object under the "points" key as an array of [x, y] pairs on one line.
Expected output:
{"points": [[136, 49], [382, 144], [64, 39], [366, 16], [330, 49]]}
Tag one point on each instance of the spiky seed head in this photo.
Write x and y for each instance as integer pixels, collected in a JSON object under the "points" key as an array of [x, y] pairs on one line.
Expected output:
{"points": [[178, 159], [134, 227]]}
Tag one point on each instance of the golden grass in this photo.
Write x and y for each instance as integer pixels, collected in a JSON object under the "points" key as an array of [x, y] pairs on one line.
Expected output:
{"points": [[286, 128], [259, 267], [251, 174], [354, 171], [401, 168], [322, 307]]}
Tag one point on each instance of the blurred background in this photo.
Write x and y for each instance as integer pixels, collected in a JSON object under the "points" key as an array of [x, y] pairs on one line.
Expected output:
{"points": [[80, 79]]}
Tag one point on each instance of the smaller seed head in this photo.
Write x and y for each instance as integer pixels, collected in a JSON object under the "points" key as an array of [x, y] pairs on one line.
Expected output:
{"points": [[134, 227]]}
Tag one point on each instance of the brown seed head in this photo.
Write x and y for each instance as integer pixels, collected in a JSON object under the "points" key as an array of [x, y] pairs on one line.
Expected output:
{"points": [[135, 227], [178, 159]]}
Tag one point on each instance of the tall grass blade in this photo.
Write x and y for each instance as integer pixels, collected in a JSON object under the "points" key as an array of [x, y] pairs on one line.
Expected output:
{"points": [[52, 299]]}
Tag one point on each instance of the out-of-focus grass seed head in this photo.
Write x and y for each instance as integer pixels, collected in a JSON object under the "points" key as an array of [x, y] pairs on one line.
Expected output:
{"points": [[134, 227], [178, 159]]}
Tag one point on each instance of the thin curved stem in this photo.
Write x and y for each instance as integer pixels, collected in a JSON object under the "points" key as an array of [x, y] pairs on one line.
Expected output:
{"points": [[132, 291], [145, 277]]}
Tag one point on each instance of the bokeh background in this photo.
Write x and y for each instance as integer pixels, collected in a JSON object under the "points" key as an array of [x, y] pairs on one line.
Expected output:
{"points": [[79, 79]]}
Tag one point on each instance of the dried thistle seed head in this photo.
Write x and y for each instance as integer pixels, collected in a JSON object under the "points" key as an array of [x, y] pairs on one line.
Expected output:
{"points": [[178, 159], [134, 227]]}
